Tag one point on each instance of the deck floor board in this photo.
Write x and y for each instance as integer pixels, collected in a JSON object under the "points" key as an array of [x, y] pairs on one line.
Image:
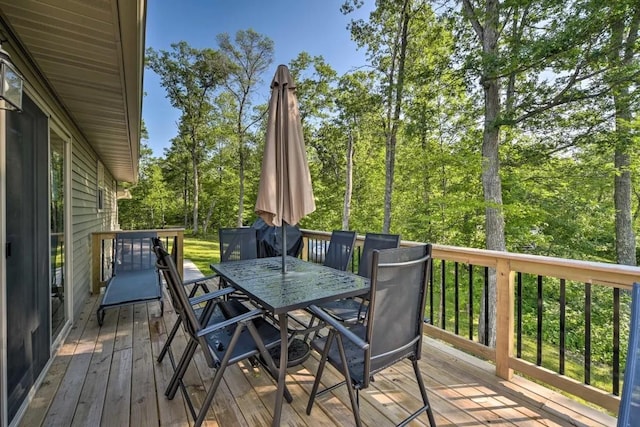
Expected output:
{"points": [[109, 376]]}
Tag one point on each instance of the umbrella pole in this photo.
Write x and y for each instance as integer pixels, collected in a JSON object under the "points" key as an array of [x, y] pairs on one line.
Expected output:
{"points": [[284, 247]]}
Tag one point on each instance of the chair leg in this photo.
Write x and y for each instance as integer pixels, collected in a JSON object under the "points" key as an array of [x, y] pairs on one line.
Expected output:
{"points": [[219, 373], [172, 388], [425, 399], [323, 361], [167, 344], [309, 327], [353, 396], [204, 318]]}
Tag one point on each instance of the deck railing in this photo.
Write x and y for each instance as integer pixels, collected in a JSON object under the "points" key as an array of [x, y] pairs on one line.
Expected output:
{"points": [[567, 296], [102, 252]]}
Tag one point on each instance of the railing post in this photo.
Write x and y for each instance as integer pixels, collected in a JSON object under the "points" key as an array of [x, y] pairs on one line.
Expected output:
{"points": [[504, 318], [96, 238], [305, 248], [180, 252]]}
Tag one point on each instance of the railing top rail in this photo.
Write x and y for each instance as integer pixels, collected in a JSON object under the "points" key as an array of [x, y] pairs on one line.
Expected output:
{"points": [[609, 274], [157, 230], [585, 271]]}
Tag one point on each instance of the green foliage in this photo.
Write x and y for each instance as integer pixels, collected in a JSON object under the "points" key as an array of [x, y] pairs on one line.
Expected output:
{"points": [[564, 80]]}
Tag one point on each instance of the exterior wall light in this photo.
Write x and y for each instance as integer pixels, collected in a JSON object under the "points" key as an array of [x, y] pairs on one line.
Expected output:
{"points": [[11, 83]]}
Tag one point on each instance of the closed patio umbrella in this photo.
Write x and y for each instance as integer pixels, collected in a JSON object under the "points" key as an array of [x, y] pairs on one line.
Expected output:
{"points": [[285, 193]]}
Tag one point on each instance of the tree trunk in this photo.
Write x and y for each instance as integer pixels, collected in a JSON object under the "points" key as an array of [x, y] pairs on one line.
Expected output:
{"points": [[388, 182], [196, 194], [394, 122], [185, 200], [348, 189], [241, 192], [621, 56], [491, 181], [492, 189], [207, 220], [625, 237]]}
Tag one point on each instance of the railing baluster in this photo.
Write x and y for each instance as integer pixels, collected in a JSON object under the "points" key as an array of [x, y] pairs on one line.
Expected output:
{"points": [[519, 319], [324, 247], [457, 299], [470, 303], [563, 324], [587, 333], [443, 300], [539, 325], [616, 342], [102, 260], [431, 296], [486, 306]]}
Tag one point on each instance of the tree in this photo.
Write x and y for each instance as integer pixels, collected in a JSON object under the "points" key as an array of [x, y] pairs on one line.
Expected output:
{"points": [[386, 37], [148, 205], [532, 59], [177, 172], [316, 93], [624, 20], [249, 57], [354, 102], [437, 186], [190, 76]]}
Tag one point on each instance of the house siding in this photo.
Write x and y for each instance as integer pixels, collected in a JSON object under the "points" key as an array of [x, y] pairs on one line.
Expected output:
{"points": [[86, 217]]}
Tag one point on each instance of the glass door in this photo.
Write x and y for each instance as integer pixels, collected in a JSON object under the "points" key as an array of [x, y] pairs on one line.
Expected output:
{"points": [[27, 251], [59, 314]]}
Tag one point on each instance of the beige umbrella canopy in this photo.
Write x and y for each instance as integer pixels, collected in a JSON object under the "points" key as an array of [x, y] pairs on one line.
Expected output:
{"points": [[285, 193]]}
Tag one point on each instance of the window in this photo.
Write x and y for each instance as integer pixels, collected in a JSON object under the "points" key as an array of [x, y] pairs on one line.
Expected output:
{"points": [[100, 192]]}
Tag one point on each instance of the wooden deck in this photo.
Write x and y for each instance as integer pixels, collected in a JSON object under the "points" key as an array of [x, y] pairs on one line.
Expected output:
{"points": [[108, 376]]}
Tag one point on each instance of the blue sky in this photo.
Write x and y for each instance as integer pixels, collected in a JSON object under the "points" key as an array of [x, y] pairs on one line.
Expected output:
{"points": [[315, 26]]}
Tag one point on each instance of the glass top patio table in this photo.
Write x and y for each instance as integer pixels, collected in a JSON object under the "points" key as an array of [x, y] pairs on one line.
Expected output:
{"points": [[303, 284]]}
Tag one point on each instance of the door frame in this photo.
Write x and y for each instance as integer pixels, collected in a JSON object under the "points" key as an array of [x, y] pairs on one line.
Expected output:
{"points": [[4, 409], [54, 124]]}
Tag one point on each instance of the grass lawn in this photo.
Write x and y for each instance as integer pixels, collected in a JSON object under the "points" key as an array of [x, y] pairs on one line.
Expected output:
{"points": [[202, 251]]}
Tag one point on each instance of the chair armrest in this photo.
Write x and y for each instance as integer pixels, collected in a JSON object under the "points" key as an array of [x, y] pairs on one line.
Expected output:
{"points": [[198, 280], [211, 295], [345, 332], [229, 322]]}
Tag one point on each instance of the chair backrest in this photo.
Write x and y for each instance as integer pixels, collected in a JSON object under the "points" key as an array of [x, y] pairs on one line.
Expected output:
{"points": [[373, 241], [340, 247], [238, 243], [629, 410], [134, 252], [396, 309], [179, 296]]}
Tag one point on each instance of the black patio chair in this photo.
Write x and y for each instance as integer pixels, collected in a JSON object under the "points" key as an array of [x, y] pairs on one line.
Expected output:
{"points": [[391, 333], [338, 256], [197, 283], [340, 248], [235, 244], [354, 309], [238, 244], [223, 341]]}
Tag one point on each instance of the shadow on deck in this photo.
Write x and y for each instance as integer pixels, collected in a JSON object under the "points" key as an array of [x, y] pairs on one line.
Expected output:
{"points": [[109, 376]]}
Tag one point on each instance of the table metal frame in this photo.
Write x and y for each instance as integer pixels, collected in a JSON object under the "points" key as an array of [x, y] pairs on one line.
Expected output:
{"points": [[303, 284]]}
